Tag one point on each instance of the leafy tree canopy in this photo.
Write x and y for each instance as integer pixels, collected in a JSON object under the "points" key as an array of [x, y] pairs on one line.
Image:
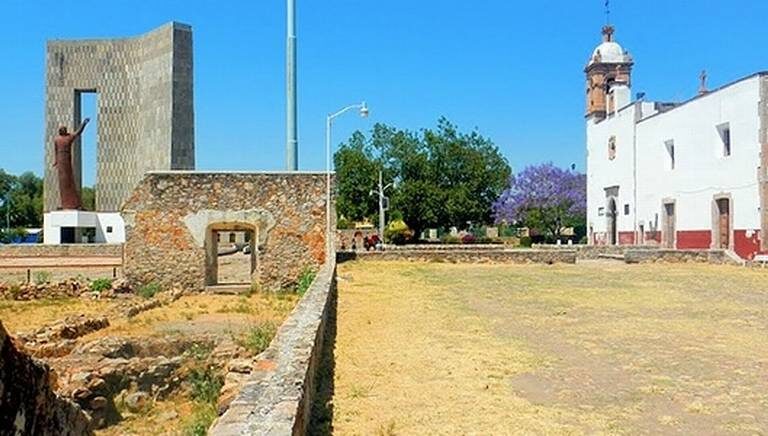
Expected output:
{"points": [[443, 177], [544, 197]]}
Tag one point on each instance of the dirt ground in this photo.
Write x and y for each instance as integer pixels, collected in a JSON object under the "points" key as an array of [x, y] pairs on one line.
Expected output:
{"points": [[594, 348], [235, 268]]}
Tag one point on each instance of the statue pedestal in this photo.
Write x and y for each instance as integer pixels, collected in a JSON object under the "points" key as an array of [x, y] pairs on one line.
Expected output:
{"points": [[83, 227]]}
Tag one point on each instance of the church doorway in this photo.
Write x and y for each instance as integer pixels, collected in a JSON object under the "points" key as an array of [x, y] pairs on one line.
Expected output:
{"points": [[723, 223], [612, 216], [668, 229]]}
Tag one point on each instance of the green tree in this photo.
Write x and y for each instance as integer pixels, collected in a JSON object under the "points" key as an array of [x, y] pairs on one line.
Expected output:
{"points": [[24, 197], [356, 173], [444, 177], [88, 197]]}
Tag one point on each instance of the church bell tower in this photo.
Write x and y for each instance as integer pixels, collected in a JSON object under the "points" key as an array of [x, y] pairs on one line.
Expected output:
{"points": [[609, 72]]}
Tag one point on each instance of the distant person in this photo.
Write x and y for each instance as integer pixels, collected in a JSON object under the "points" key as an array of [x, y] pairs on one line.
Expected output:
{"points": [[62, 161]]}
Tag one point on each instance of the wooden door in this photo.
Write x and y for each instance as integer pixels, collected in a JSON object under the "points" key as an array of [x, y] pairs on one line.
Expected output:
{"points": [[724, 222], [669, 225]]}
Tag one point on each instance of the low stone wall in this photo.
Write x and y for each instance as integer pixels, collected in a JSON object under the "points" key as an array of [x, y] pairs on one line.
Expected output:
{"points": [[64, 250], [591, 252], [171, 219], [278, 397], [28, 404], [465, 256], [678, 256], [439, 247]]}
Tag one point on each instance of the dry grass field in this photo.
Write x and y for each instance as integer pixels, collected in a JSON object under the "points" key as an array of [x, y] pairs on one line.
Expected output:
{"points": [[594, 348]]}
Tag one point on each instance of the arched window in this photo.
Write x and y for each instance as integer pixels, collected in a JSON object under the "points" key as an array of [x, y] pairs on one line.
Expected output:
{"points": [[612, 148]]}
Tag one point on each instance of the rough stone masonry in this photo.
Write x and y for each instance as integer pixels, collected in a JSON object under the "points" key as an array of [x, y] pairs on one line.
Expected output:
{"points": [[172, 217]]}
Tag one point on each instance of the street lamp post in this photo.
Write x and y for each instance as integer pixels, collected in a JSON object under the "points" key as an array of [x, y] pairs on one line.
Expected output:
{"points": [[328, 124]]}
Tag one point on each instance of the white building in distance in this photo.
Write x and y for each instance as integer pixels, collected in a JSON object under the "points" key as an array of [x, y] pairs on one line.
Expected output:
{"points": [[688, 175]]}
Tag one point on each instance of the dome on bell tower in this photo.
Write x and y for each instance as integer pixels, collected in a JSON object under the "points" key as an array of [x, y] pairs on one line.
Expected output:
{"points": [[609, 52]]}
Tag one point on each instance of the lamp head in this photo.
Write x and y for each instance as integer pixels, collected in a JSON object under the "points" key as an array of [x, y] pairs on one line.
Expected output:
{"points": [[364, 112]]}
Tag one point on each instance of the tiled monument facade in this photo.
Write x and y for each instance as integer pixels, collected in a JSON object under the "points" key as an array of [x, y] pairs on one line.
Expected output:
{"points": [[145, 108]]}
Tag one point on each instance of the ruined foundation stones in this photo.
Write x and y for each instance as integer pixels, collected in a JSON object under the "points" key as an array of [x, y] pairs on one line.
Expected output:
{"points": [[28, 403]]}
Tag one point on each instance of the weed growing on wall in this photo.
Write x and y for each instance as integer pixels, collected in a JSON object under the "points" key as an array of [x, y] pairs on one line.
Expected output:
{"points": [[306, 278], [149, 290]]}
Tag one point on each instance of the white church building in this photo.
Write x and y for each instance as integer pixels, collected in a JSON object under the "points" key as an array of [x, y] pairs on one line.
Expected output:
{"points": [[686, 175]]}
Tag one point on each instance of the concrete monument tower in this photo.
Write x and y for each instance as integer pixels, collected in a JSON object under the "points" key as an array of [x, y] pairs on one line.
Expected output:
{"points": [[145, 120]]}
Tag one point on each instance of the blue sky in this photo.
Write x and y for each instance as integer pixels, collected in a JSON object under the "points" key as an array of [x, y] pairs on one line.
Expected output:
{"points": [[512, 69]]}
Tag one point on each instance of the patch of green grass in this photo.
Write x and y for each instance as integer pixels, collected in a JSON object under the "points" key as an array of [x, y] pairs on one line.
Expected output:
{"points": [[258, 337], [101, 285], [149, 290]]}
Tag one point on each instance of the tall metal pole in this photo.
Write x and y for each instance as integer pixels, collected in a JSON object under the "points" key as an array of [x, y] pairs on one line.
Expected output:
{"points": [[329, 238], [292, 141], [381, 205]]}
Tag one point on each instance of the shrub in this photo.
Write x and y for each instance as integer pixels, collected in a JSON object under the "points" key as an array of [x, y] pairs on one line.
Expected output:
{"points": [[258, 337], [149, 290], [206, 384], [397, 232], [469, 238], [342, 224], [101, 285], [448, 239], [42, 277], [306, 278], [526, 241]]}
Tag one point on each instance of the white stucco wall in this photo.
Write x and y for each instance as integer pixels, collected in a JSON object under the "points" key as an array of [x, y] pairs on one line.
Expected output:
{"points": [[603, 172], [701, 171], [54, 221]]}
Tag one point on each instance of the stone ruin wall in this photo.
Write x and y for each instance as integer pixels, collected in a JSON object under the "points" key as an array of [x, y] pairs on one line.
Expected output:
{"points": [[29, 404], [169, 217]]}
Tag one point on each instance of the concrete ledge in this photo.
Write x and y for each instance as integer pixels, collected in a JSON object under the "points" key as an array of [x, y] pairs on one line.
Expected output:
{"points": [[465, 256], [64, 250], [277, 399]]}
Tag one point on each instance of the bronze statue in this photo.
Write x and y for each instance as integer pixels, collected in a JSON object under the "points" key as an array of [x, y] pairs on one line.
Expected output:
{"points": [[70, 197]]}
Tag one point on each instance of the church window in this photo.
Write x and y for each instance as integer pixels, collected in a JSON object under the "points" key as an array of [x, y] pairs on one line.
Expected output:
{"points": [[670, 146], [725, 137], [612, 148]]}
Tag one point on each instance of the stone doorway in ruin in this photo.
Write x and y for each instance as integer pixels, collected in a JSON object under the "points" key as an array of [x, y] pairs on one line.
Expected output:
{"points": [[722, 222], [232, 255], [668, 227]]}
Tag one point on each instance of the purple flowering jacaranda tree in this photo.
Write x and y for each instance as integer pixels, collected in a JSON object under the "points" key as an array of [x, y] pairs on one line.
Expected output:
{"points": [[543, 197]]}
